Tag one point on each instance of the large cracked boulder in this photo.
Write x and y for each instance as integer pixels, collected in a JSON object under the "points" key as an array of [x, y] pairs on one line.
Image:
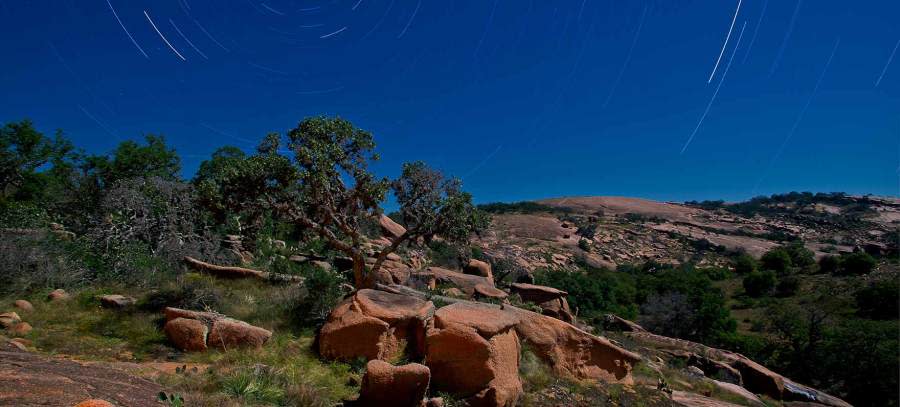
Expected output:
{"points": [[473, 351], [197, 331], [573, 352], [375, 325], [551, 300], [388, 385], [442, 276]]}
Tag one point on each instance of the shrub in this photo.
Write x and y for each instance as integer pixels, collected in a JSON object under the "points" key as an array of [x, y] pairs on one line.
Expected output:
{"points": [[593, 292], [192, 294], [856, 264], [829, 264], [443, 254], [777, 260], [31, 263], [583, 244], [801, 257], [759, 283], [321, 292], [744, 264], [787, 286], [880, 300]]}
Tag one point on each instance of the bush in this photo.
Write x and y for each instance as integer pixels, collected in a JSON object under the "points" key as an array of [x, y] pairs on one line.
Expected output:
{"points": [[856, 264], [777, 260], [583, 244], [759, 283], [880, 300], [321, 292], [787, 286], [829, 264], [801, 257], [744, 264], [192, 294], [30, 263], [594, 292], [443, 254]]}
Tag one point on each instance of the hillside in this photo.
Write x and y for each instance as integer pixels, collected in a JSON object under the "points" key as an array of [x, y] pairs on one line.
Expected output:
{"points": [[270, 280], [634, 230]]}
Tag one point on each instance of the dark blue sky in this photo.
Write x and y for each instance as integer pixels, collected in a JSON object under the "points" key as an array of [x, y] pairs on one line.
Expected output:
{"points": [[522, 99]]}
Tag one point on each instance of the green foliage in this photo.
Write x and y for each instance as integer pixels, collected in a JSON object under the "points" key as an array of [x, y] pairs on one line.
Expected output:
{"points": [[192, 294], [444, 254], [23, 151], [759, 283], [584, 244], [431, 205], [856, 264], [879, 300], [132, 160], [744, 264], [829, 264], [801, 257], [321, 292], [777, 260], [787, 286], [171, 400], [594, 292], [702, 314], [523, 207]]}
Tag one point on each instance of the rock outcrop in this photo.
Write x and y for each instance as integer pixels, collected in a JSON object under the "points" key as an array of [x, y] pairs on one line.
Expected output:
{"points": [[58, 295], [473, 351], [9, 319], [375, 325], [445, 277], [23, 305], [478, 268], [388, 385], [573, 352], [197, 331], [754, 377], [389, 228], [29, 379], [551, 300], [116, 301]]}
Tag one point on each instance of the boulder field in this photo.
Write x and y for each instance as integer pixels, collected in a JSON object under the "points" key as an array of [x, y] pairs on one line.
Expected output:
{"points": [[471, 349]]}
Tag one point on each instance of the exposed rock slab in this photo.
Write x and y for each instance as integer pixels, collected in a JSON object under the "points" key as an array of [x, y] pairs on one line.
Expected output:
{"points": [[374, 325], [30, 380]]}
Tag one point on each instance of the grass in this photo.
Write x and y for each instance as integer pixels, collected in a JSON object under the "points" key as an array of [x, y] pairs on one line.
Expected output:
{"points": [[286, 371]]}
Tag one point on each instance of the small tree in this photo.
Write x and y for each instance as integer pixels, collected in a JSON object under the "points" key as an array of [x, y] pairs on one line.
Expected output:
{"points": [[858, 263], [777, 260], [334, 192], [829, 264], [759, 283], [744, 264]]}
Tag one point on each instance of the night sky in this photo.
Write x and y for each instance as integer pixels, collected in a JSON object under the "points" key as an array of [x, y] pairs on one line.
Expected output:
{"points": [[663, 99]]}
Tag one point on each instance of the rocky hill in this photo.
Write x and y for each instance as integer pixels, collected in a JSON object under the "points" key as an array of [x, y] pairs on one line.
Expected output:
{"points": [[621, 230]]}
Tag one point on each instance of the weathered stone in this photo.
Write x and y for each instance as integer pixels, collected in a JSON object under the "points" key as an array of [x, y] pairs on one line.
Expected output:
{"points": [[20, 329], [23, 305], [478, 268], [8, 319], [486, 291], [58, 295], [391, 229], [229, 333], [187, 334], [387, 385], [116, 301], [473, 352], [374, 325]]}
